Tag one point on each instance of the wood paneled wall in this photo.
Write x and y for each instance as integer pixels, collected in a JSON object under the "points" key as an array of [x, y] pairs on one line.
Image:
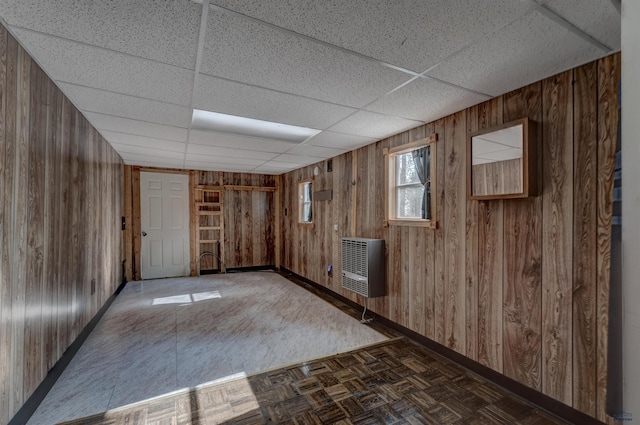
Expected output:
{"points": [[249, 232], [60, 208], [520, 286], [249, 217]]}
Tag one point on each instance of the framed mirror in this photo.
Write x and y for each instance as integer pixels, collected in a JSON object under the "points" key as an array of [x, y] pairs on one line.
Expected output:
{"points": [[501, 161]]}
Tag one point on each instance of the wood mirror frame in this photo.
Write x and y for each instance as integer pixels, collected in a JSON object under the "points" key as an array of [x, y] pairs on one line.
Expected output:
{"points": [[498, 178]]}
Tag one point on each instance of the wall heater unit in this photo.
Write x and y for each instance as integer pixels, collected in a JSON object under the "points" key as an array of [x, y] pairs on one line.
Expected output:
{"points": [[363, 266]]}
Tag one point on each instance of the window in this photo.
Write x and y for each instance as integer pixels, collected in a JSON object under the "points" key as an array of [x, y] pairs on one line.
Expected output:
{"points": [[305, 195], [411, 179]]}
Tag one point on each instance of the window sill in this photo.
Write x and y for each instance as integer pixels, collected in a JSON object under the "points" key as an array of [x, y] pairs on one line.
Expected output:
{"points": [[431, 224]]}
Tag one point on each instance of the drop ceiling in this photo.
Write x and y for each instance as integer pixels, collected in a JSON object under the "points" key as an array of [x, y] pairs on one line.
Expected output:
{"points": [[357, 70]]}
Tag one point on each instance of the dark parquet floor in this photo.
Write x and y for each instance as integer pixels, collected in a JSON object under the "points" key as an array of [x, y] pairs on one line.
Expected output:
{"points": [[394, 382]]}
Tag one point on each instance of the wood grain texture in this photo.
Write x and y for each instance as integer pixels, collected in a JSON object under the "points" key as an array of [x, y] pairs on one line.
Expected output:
{"points": [[486, 264], [557, 219], [490, 255], [6, 197], [522, 290], [51, 242], [454, 232], [441, 211], [65, 225], [19, 233], [472, 260], [35, 231], [128, 217], [585, 163], [609, 70]]}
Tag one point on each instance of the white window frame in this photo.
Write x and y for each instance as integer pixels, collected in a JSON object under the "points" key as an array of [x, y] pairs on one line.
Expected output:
{"points": [[301, 202], [391, 192]]}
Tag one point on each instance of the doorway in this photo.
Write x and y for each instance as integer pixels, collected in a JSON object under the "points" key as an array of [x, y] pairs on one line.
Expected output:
{"points": [[164, 225]]}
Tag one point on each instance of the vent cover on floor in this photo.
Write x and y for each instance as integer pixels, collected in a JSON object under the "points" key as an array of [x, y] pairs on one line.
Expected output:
{"points": [[363, 266]]}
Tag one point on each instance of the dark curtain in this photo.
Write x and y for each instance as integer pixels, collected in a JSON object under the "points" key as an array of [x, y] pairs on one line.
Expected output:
{"points": [[422, 161]]}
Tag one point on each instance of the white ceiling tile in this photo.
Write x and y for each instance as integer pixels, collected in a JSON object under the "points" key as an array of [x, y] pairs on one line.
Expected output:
{"points": [[317, 151], [414, 34], [229, 152], [84, 65], [141, 141], [260, 55], [228, 97], [285, 166], [297, 159], [142, 150], [373, 125], [200, 157], [271, 170], [151, 160], [426, 100], [532, 48], [240, 142], [139, 128], [165, 31], [213, 166], [598, 18], [104, 102], [340, 141]]}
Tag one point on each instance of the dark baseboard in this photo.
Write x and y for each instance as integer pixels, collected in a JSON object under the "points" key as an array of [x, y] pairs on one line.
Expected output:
{"points": [[238, 270], [30, 406], [545, 402]]}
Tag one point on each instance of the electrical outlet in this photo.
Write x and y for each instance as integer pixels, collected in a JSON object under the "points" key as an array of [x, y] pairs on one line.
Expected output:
{"points": [[93, 286]]}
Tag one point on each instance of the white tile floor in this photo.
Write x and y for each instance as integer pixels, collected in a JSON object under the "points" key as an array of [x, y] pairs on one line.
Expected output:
{"points": [[163, 335]]}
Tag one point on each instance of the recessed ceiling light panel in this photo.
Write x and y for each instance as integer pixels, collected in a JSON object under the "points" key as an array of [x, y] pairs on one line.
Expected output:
{"points": [[223, 123]]}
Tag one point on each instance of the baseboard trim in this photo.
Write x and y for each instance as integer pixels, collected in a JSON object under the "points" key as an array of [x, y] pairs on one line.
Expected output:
{"points": [[541, 400], [238, 270], [32, 403]]}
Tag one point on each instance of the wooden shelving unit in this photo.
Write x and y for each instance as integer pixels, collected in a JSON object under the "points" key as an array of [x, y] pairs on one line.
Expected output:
{"points": [[209, 201]]}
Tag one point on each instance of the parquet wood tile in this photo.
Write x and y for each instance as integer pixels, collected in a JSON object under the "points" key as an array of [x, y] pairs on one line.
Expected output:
{"points": [[393, 382]]}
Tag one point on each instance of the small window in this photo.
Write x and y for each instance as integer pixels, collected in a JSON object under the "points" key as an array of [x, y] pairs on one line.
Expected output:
{"points": [[411, 180], [305, 195]]}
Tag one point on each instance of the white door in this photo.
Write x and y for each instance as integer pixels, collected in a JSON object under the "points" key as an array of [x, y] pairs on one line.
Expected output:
{"points": [[164, 221]]}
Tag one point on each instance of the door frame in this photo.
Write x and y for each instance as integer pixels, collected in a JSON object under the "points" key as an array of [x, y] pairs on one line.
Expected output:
{"points": [[136, 222]]}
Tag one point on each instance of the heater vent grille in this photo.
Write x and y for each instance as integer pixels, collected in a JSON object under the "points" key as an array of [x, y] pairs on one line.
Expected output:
{"points": [[363, 269]]}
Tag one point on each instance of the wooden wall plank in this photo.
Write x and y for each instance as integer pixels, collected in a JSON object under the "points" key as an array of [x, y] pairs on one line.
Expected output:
{"points": [[557, 257], [74, 228], [427, 268], [522, 289], [82, 266], [585, 163], [608, 79], [64, 226], [7, 112], [472, 258], [52, 191], [128, 218], [490, 256], [19, 232], [441, 211], [454, 232]]}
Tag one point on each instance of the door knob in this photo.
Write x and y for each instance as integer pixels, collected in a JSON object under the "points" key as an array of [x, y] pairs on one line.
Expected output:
{"points": [[144, 233]]}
